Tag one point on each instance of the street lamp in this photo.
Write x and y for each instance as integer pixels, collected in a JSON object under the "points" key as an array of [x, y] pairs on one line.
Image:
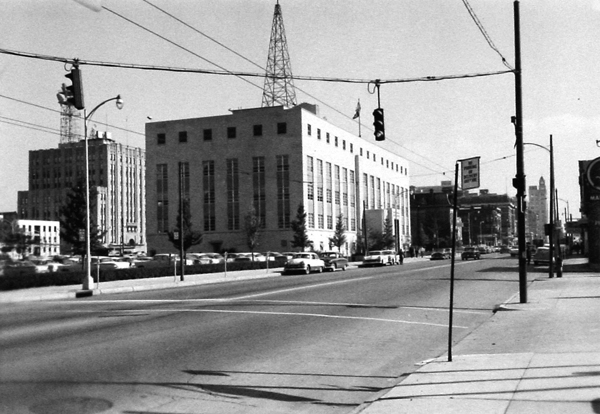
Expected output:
{"points": [[551, 218], [87, 281]]}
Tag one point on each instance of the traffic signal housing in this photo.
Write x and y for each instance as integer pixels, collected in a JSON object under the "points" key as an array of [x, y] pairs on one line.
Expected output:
{"points": [[74, 92], [378, 124]]}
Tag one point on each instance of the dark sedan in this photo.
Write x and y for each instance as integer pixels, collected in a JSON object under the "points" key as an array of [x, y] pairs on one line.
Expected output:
{"points": [[334, 260], [470, 253]]}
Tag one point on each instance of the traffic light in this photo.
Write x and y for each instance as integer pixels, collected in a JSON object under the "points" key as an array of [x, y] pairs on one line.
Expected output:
{"points": [[72, 94], [378, 124]]}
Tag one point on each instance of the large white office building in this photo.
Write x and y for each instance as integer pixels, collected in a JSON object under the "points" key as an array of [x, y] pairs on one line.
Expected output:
{"points": [[272, 159]]}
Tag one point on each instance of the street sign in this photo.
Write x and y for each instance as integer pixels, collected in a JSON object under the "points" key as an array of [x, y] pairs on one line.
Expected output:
{"points": [[470, 173], [593, 173]]}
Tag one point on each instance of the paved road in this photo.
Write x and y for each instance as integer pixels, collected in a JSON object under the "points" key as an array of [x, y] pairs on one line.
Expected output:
{"points": [[303, 344]]}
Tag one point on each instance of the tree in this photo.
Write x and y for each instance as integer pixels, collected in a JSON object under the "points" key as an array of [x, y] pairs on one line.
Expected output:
{"points": [[73, 223], [339, 237], [16, 239], [300, 232], [190, 237], [375, 240], [383, 239], [388, 240], [252, 225]]}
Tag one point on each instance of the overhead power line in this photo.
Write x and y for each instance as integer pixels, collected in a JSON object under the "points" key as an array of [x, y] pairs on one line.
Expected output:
{"points": [[432, 78], [59, 112], [485, 34]]}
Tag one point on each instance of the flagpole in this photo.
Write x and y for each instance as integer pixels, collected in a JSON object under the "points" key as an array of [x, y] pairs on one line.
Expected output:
{"points": [[359, 135]]}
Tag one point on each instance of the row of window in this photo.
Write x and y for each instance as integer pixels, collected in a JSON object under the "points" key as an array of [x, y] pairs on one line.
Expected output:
{"points": [[230, 132], [336, 142], [208, 193]]}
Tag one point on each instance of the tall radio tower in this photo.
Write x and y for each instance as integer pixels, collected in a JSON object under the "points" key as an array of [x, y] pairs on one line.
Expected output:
{"points": [[278, 88]]}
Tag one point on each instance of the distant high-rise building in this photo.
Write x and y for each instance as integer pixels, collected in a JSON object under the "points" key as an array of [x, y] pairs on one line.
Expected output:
{"points": [[537, 210], [118, 173]]}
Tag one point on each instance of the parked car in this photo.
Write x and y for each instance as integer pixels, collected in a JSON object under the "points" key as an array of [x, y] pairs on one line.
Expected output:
{"points": [[504, 249], [198, 258], [440, 255], [288, 255], [542, 256], [205, 258], [304, 262], [111, 263], [381, 258], [334, 260], [470, 253], [22, 267]]}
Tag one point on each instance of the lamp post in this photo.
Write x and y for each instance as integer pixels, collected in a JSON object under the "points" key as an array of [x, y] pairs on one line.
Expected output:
{"points": [[87, 281], [551, 218]]}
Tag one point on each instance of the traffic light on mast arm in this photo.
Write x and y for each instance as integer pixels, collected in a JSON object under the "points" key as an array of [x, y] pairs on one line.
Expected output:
{"points": [[72, 94], [378, 124]]}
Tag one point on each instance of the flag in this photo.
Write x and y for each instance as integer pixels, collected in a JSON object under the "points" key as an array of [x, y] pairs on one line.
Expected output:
{"points": [[470, 173], [357, 113]]}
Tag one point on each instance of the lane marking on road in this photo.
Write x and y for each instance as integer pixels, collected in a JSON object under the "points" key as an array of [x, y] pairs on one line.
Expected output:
{"points": [[316, 315], [276, 302]]}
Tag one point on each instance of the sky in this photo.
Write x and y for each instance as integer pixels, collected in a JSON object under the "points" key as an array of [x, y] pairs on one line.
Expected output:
{"points": [[431, 124]]}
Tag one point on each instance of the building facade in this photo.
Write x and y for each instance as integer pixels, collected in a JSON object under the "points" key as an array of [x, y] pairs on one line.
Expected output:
{"points": [[117, 172], [482, 218], [270, 160], [537, 211]]}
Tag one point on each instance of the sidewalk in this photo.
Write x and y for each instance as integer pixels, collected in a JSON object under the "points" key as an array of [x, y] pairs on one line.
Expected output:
{"points": [[539, 357]]}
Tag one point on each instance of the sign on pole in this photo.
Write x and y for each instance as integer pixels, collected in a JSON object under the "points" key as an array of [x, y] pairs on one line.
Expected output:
{"points": [[470, 173]]}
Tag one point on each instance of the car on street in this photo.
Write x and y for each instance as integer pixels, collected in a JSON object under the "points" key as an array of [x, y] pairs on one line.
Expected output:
{"points": [[470, 253], [441, 255], [304, 262], [542, 255], [381, 258], [334, 260]]}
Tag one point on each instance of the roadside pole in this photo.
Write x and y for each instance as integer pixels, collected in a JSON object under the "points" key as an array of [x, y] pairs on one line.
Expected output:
{"points": [[451, 310]]}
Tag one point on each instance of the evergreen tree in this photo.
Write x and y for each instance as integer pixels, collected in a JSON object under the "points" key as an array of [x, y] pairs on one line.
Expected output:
{"points": [[339, 237], [300, 238], [190, 237], [376, 240], [73, 223], [387, 238]]}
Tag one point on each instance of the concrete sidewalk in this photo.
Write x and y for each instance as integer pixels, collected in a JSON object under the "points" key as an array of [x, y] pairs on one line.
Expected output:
{"points": [[539, 357]]}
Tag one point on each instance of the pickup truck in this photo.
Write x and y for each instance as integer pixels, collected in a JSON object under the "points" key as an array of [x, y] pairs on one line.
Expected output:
{"points": [[334, 260], [304, 262]]}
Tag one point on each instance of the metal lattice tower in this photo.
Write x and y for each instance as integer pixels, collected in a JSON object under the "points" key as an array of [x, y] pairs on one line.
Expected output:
{"points": [[279, 87], [69, 126]]}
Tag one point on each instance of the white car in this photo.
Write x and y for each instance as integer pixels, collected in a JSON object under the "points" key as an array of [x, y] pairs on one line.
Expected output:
{"points": [[381, 258], [305, 262], [110, 263], [206, 258]]}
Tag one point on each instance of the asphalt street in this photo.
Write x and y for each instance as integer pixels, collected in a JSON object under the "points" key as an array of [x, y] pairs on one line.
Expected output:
{"points": [[304, 344]]}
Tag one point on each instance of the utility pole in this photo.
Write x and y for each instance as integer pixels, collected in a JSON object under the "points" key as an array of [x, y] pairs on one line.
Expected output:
{"points": [[519, 182]]}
